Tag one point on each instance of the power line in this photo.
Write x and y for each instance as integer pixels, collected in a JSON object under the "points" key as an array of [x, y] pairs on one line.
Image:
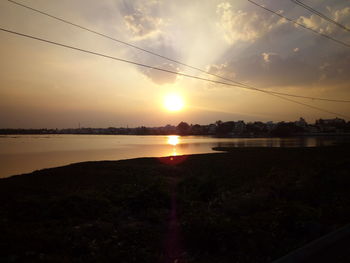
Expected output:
{"points": [[301, 96], [314, 11], [238, 84], [310, 106], [299, 24], [118, 40], [156, 68]]}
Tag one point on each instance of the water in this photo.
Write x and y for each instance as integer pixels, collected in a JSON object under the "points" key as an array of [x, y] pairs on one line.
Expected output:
{"points": [[26, 153]]}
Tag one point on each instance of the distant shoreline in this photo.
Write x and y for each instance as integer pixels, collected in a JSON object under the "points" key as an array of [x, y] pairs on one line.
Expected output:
{"points": [[199, 135], [219, 128]]}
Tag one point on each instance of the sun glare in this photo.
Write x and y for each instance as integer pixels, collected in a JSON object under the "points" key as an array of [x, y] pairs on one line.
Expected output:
{"points": [[173, 140], [173, 102]]}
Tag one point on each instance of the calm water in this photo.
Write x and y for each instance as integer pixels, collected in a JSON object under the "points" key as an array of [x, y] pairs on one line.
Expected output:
{"points": [[26, 153]]}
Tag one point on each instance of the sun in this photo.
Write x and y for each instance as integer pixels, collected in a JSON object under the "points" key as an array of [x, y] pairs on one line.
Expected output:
{"points": [[173, 102]]}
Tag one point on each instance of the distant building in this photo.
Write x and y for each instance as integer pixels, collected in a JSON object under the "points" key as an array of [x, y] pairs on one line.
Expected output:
{"points": [[335, 121], [331, 125], [211, 129], [170, 129], [239, 127], [196, 129]]}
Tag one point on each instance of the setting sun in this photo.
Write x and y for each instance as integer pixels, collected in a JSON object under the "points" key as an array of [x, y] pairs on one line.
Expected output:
{"points": [[173, 102]]}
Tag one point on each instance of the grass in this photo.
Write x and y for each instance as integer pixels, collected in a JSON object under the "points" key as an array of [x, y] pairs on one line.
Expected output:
{"points": [[247, 205]]}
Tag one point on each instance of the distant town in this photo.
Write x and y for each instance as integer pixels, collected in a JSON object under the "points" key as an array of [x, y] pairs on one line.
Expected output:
{"points": [[238, 128]]}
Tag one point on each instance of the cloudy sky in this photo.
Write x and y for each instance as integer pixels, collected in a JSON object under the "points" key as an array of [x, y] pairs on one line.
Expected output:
{"points": [[48, 86]]}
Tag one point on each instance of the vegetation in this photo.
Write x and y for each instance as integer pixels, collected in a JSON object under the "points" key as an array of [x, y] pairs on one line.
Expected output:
{"points": [[256, 205], [247, 205], [220, 129], [88, 212]]}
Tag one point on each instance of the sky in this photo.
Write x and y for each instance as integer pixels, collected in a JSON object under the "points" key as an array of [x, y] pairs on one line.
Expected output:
{"points": [[46, 86]]}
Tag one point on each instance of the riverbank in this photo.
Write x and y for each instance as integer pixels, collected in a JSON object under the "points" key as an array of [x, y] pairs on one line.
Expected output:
{"points": [[248, 205], [27, 153]]}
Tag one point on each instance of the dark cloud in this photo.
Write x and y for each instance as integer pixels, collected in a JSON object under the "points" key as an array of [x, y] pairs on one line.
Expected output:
{"points": [[336, 69], [271, 69], [341, 15], [271, 52]]}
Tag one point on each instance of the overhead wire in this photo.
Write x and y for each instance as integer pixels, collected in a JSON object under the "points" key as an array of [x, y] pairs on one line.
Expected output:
{"points": [[238, 84], [301, 25], [155, 68], [323, 16]]}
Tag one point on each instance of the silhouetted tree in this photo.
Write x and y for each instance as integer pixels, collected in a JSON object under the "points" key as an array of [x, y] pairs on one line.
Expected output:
{"points": [[218, 123], [183, 128], [224, 128], [285, 129]]}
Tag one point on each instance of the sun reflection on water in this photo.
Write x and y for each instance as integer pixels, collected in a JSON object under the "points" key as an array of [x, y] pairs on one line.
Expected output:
{"points": [[173, 140]]}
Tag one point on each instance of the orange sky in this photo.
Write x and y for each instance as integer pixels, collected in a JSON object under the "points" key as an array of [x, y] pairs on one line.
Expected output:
{"points": [[48, 86]]}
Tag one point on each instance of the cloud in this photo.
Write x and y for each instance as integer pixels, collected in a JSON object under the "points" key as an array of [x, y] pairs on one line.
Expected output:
{"points": [[141, 18], [268, 56], [270, 69], [272, 53], [245, 26], [143, 26], [160, 77], [335, 69], [315, 22], [163, 46], [218, 69], [144, 22]]}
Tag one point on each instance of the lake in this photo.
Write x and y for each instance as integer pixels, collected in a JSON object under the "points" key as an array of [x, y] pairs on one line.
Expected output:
{"points": [[26, 153]]}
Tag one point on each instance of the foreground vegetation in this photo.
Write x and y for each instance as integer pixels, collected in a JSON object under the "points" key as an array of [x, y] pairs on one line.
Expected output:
{"points": [[247, 205], [88, 212]]}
